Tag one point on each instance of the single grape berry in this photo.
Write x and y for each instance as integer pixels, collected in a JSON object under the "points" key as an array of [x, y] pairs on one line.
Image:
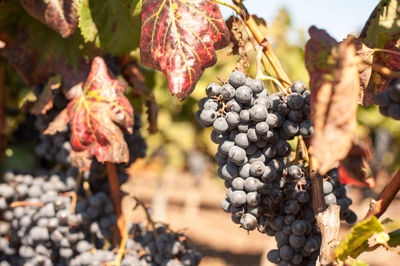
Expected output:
{"points": [[213, 89], [248, 222], [244, 94], [227, 91], [299, 227], [237, 155], [382, 99], [208, 116], [295, 101], [394, 90], [274, 256], [286, 252], [237, 198], [298, 86], [242, 140], [220, 125], [256, 85], [258, 113], [233, 119], [237, 79]]}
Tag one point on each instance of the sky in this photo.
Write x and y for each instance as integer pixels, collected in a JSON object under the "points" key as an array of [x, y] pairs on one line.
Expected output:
{"points": [[338, 17]]}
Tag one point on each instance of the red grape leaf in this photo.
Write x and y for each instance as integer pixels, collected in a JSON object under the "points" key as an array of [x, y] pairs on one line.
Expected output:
{"points": [[334, 85], [179, 38], [94, 116], [60, 15], [353, 168]]}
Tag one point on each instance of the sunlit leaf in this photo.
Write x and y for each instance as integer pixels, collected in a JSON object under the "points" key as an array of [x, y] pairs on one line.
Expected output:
{"points": [[112, 25], [94, 116], [355, 241], [384, 18], [179, 38]]}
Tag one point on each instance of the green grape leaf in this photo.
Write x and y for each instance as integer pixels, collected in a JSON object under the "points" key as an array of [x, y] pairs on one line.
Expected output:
{"points": [[111, 25], [384, 18], [179, 38], [394, 238], [334, 85], [95, 116], [60, 15], [356, 241]]}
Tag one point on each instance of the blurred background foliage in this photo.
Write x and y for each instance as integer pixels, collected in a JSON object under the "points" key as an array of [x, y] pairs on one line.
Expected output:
{"points": [[179, 134]]}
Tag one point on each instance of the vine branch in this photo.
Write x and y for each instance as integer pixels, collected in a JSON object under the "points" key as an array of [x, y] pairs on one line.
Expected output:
{"points": [[241, 10], [329, 223], [1, 106], [317, 188], [382, 69], [116, 196], [378, 206]]}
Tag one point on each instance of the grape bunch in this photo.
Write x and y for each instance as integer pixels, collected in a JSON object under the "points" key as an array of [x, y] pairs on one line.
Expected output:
{"points": [[389, 100], [252, 129], [264, 190], [38, 227], [293, 222]]}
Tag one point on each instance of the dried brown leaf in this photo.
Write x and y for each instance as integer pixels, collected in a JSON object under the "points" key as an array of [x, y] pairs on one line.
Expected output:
{"points": [[335, 88]]}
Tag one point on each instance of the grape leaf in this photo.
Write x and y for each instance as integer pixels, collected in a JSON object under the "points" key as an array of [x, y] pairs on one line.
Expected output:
{"points": [[37, 52], [384, 18], [94, 117], [385, 56], [355, 241], [353, 168], [394, 238], [382, 31], [179, 38], [60, 15], [334, 85], [112, 25], [45, 101]]}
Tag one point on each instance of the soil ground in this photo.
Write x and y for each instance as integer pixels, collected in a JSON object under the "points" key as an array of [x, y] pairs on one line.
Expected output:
{"points": [[195, 210]]}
